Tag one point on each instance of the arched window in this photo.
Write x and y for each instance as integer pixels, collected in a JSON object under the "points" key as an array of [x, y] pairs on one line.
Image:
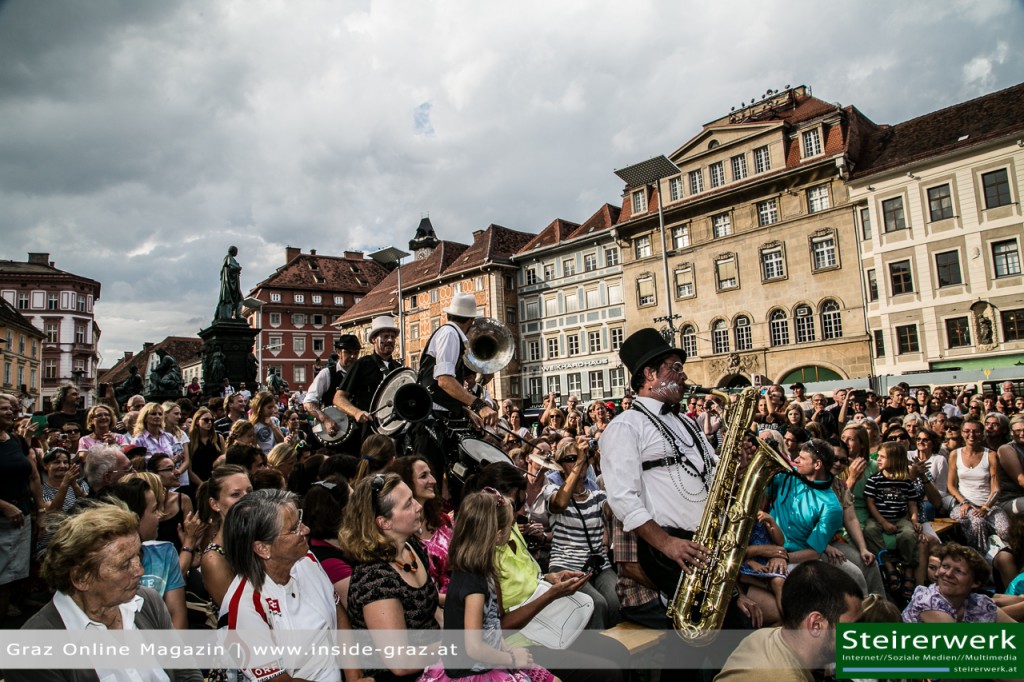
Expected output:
{"points": [[720, 337], [689, 336], [831, 320], [779, 326], [742, 332], [804, 324]]}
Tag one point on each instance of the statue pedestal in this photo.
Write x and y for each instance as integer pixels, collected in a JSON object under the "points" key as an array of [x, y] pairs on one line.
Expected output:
{"points": [[228, 351]]}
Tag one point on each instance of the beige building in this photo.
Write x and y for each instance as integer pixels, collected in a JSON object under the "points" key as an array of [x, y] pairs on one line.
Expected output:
{"points": [[20, 356], [572, 311], [939, 211], [763, 278]]}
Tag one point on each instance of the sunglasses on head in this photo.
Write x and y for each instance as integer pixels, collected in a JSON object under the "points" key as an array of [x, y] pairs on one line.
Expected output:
{"points": [[376, 485]]}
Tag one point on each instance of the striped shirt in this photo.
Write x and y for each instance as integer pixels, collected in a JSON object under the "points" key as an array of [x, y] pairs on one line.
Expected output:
{"points": [[891, 496], [570, 530]]}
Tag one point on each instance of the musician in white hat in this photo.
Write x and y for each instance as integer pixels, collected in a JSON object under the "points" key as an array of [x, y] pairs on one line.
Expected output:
{"points": [[443, 372], [365, 376]]}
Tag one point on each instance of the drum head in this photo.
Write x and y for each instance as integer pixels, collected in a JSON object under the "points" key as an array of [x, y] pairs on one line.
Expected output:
{"points": [[481, 452], [383, 404]]}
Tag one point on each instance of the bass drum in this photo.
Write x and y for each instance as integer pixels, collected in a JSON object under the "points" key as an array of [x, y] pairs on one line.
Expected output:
{"points": [[399, 400], [474, 455]]}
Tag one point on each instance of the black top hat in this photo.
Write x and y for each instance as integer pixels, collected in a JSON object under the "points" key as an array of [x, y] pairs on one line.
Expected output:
{"points": [[643, 346], [347, 342]]}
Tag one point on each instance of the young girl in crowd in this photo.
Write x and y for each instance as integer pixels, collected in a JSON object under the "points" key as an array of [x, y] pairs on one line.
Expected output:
{"points": [[766, 558], [890, 494], [484, 522]]}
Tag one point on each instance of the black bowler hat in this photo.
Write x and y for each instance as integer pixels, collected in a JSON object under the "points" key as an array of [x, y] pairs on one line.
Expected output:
{"points": [[347, 342], [643, 346]]}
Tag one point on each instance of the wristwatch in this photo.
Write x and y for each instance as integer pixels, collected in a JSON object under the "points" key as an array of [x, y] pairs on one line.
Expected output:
{"points": [[478, 405]]}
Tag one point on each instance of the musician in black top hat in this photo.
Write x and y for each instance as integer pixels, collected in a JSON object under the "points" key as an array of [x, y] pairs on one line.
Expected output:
{"points": [[329, 379]]}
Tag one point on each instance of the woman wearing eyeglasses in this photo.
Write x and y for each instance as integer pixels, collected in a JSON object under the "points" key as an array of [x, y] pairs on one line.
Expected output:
{"points": [[205, 445], [278, 586], [974, 484], [954, 597], [936, 466], [177, 506], [391, 587]]}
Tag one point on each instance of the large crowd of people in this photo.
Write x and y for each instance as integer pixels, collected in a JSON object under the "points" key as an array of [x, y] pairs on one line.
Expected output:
{"points": [[208, 512]]}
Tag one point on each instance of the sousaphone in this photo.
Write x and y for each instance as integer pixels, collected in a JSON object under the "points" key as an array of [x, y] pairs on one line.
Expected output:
{"points": [[399, 401]]}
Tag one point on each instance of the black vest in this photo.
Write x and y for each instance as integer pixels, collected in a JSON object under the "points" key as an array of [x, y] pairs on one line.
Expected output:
{"points": [[426, 373], [337, 376]]}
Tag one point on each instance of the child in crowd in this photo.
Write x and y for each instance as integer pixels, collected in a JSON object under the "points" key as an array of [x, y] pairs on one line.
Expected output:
{"points": [[766, 557], [890, 494]]}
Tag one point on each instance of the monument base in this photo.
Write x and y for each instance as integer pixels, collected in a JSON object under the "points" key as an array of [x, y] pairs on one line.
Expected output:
{"points": [[228, 352]]}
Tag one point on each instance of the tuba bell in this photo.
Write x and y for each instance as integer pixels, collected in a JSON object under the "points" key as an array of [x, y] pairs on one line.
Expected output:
{"points": [[489, 346]]}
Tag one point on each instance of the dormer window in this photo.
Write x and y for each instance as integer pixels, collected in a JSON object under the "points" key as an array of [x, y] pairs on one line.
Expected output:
{"points": [[812, 142], [640, 201]]}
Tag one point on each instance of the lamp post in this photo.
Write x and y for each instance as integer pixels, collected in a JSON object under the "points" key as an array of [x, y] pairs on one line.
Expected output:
{"points": [[391, 257], [644, 174]]}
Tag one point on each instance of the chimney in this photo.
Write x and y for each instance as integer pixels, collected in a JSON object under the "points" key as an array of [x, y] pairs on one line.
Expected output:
{"points": [[312, 252], [39, 258], [477, 233], [147, 345], [128, 355], [291, 253], [354, 255]]}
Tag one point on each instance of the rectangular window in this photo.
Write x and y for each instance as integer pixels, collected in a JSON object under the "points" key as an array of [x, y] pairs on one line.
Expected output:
{"points": [[80, 333], [689, 341], [675, 189], [298, 319], [456, 288], [743, 336], [532, 309], [52, 331], [680, 236], [574, 383], [726, 273], [639, 201], [642, 246], [804, 319], [717, 172], [901, 278], [865, 224], [318, 320], [339, 300], [51, 301], [554, 384], [568, 267], [593, 298], [594, 342], [533, 351], [762, 161], [318, 344], [940, 203], [549, 271], [872, 285], [739, 167], [617, 379], [684, 282], [434, 295], [645, 291], [719, 338], [590, 262], [767, 212], [275, 319], [414, 301], [614, 294], [317, 299], [611, 256], [892, 212], [414, 330], [812, 142], [1006, 258], [617, 336], [510, 315], [824, 252], [947, 268], [573, 342], [721, 225], [773, 263], [997, 188], [597, 383], [531, 276], [552, 348], [906, 339], [817, 198], [550, 307], [696, 181], [300, 298], [1013, 324], [535, 389], [958, 332], [8, 368], [22, 301], [572, 301], [299, 344], [478, 282], [49, 369], [879, 338], [435, 323], [299, 374]]}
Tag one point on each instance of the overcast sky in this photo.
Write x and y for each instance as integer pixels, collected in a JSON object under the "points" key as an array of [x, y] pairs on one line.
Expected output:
{"points": [[140, 138]]}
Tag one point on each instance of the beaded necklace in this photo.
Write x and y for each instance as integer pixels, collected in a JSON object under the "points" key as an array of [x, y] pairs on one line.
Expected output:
{"points": [[687, 466]]}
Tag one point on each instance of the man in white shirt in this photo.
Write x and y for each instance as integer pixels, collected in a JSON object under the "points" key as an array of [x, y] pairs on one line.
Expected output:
{"points": [[327, 382], [244, 392]]}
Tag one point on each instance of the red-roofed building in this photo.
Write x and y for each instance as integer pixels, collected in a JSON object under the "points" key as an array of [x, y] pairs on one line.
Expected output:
{"points": [[440, 270], [59, 304], [939, 207], [299, 301], [572, 314], [761, 248]]}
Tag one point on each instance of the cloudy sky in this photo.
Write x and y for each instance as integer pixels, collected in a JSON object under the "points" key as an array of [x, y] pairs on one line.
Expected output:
{"points": [[140, 138]]}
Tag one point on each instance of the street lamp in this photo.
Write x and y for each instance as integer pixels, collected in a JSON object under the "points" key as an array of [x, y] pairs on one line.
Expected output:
{"points": [[643, 174], [392, 257]]}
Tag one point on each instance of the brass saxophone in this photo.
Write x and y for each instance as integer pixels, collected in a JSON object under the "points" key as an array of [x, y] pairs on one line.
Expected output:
{"points": [[701, 597]]}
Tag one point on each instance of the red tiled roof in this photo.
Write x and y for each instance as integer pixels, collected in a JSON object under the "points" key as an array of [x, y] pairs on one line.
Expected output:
{"points": [[183, 349], [356, 275], [10, 317], [496, 244], [603, 219], [955, 127], [557, 231]]}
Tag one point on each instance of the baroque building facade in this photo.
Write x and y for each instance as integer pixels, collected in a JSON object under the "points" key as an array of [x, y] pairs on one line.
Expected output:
{"points": [[758, 244]]}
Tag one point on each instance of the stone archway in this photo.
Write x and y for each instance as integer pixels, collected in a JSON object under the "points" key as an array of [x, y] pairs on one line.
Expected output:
{"points": [[734, 381]]}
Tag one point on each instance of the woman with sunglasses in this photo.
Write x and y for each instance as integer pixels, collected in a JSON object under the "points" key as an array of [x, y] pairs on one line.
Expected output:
{"points": [[974, 484], [927, 461], [390, 587], [205, 445]]}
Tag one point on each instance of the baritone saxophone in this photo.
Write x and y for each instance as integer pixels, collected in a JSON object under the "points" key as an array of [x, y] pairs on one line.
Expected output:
{"points": [[701, 597]]}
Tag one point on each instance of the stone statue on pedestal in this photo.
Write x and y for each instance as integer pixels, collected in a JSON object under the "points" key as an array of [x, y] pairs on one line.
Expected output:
{"points": [[229, 307]]}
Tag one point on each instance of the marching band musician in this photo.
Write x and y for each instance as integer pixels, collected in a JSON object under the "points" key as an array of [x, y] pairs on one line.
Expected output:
{"points": [[328, 381], [658, 466], [443, 372], [365, 376]]}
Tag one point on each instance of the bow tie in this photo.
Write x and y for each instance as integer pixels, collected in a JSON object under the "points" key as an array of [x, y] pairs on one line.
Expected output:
{"points": [[666, 408]]}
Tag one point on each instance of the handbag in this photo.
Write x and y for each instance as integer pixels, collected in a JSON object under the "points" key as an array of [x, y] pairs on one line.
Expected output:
{"points": [[559, 623]]}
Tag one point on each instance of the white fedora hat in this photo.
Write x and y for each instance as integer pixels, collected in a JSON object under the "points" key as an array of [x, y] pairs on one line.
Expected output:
{"points": [[382, 323], [463, 305]]}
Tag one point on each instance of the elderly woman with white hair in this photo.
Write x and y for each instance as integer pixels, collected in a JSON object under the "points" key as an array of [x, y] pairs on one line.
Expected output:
{"points": [[278, 584]]}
